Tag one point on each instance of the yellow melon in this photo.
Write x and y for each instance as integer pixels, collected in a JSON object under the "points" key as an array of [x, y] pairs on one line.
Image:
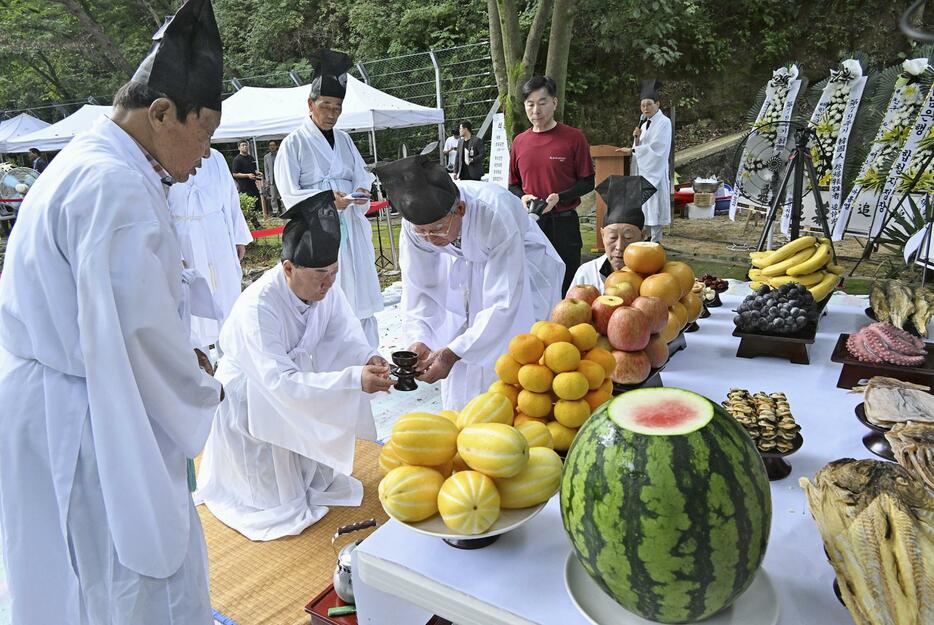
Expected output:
{"points": [[493, 449], [388, 460], [450, 415], [424, 439], [644, 257], [537, 482], [524, 418], [562, 435], [410, 494], [486, 408], [536, 434], [469, 503]]}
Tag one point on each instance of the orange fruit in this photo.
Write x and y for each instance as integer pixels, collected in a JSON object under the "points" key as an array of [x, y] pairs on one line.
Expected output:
{"points": [[561, 357], [664, 286], [602, 357], [536, 405], [572, 414], [536, 378], [607, 386], [594, 373], [550, 332], [507, 369], [596, 398], [584, 336], [562, 435], [526, 348], [571, 385], [508, 390], [644, 257], [535, 326]]}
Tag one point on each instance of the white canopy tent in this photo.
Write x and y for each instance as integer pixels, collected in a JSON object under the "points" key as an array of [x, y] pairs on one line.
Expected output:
{"points": [[21, 125], [266, 113], [57, 136]]}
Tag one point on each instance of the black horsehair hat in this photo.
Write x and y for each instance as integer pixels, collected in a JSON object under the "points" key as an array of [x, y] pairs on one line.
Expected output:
{"points": [[330, 73], [624, 197], [312, 237], [186, 60], [419, 188]]}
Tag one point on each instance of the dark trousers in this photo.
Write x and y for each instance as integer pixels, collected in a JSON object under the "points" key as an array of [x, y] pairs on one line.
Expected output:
{"points": [[564, 231]]}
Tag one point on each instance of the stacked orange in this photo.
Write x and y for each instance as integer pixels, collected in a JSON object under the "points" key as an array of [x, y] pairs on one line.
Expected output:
{"points": [[557, 376]]}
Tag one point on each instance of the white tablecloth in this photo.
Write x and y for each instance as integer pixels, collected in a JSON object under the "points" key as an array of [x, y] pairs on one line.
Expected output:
{"points": [[520, 578]]}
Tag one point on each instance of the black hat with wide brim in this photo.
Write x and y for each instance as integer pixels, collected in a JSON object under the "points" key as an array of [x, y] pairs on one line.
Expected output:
{"points": [[419, 188], [330, 73]]}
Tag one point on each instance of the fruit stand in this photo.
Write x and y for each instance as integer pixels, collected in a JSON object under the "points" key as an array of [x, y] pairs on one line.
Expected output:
{"points": [[401, 576]]}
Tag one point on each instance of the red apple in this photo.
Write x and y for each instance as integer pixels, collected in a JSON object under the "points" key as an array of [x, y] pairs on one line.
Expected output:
{"points": [[586, 292], [623, 290], [655, 310], [631, 367], [628, 329], [603, 308], [570, 312], [657, 351]]}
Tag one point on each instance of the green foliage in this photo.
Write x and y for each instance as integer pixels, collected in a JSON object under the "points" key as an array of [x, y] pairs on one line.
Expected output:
{"points": [[249, 205]]}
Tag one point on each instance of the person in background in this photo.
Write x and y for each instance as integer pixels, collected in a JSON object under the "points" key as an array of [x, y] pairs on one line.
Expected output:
{"points": [[317, 156], [551, 162], [650, 153], [299, 373], [468, 164], [37, 161], [269, 169], [244, 170], [102, 396], [475, 271], [213, 235], [622, 225], [450, 150]]}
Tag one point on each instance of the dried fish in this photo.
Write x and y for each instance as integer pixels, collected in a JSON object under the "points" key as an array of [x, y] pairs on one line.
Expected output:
{"points": [[900, 301], [888, 401], [913, 446], [878, 303], [923, 311], [877, 524]]}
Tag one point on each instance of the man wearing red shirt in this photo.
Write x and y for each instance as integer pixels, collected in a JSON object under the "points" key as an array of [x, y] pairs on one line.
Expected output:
{"points": [[550, 162]]}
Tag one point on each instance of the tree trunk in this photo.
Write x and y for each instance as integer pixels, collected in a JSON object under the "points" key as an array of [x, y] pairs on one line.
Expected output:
{"points": [[496, 52], [559, 45], [98, 36], [533, 42]]}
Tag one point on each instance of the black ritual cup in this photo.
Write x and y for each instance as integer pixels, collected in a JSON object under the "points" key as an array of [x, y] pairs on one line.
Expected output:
{"points": [[404, 370]]}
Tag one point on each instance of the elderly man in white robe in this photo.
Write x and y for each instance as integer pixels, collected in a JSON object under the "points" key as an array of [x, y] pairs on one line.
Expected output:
{"points": [[316, 157], [102, 395], [651, 152], [475, 272], [213, 236], [622, 225], [297, 370]]}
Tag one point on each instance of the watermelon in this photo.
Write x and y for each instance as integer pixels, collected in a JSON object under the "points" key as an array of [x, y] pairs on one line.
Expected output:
{"points": [[667, 504]]}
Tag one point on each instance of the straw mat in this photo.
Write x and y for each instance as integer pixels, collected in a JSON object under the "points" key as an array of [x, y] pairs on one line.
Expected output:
{"points": [[269, 583]]}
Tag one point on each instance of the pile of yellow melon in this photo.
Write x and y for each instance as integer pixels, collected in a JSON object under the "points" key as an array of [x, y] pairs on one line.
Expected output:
{"points": [[556, 377], [467, 466]]}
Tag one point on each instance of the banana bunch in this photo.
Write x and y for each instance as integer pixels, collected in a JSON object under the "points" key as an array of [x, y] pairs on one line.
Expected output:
{"points": [[805, 260]]}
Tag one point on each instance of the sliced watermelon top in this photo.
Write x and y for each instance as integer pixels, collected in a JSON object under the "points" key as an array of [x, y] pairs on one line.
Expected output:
{"points": [[661, 411]]}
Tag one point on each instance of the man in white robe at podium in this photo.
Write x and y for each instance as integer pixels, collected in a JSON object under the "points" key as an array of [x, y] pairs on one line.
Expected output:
{"points": [[101, 395], [650, 156], [213, 236], [622, 225], [297, 371], [475, 272], [315, 157]]}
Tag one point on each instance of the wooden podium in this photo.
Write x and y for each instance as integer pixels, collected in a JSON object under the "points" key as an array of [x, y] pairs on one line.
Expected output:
{"points": [[607, 161]]}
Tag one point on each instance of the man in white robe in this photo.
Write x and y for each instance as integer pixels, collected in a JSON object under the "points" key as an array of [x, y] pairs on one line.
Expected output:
{"points": [[297, 370], [650, 154], [622, 224], [102, 396], [213, 236], [475, 272], [316, 157]]}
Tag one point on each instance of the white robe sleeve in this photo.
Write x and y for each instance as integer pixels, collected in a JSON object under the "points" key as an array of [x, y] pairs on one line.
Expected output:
{"points": [[147, 371], [653, 155], [288, 170], [503, 284], [424, 289]]}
